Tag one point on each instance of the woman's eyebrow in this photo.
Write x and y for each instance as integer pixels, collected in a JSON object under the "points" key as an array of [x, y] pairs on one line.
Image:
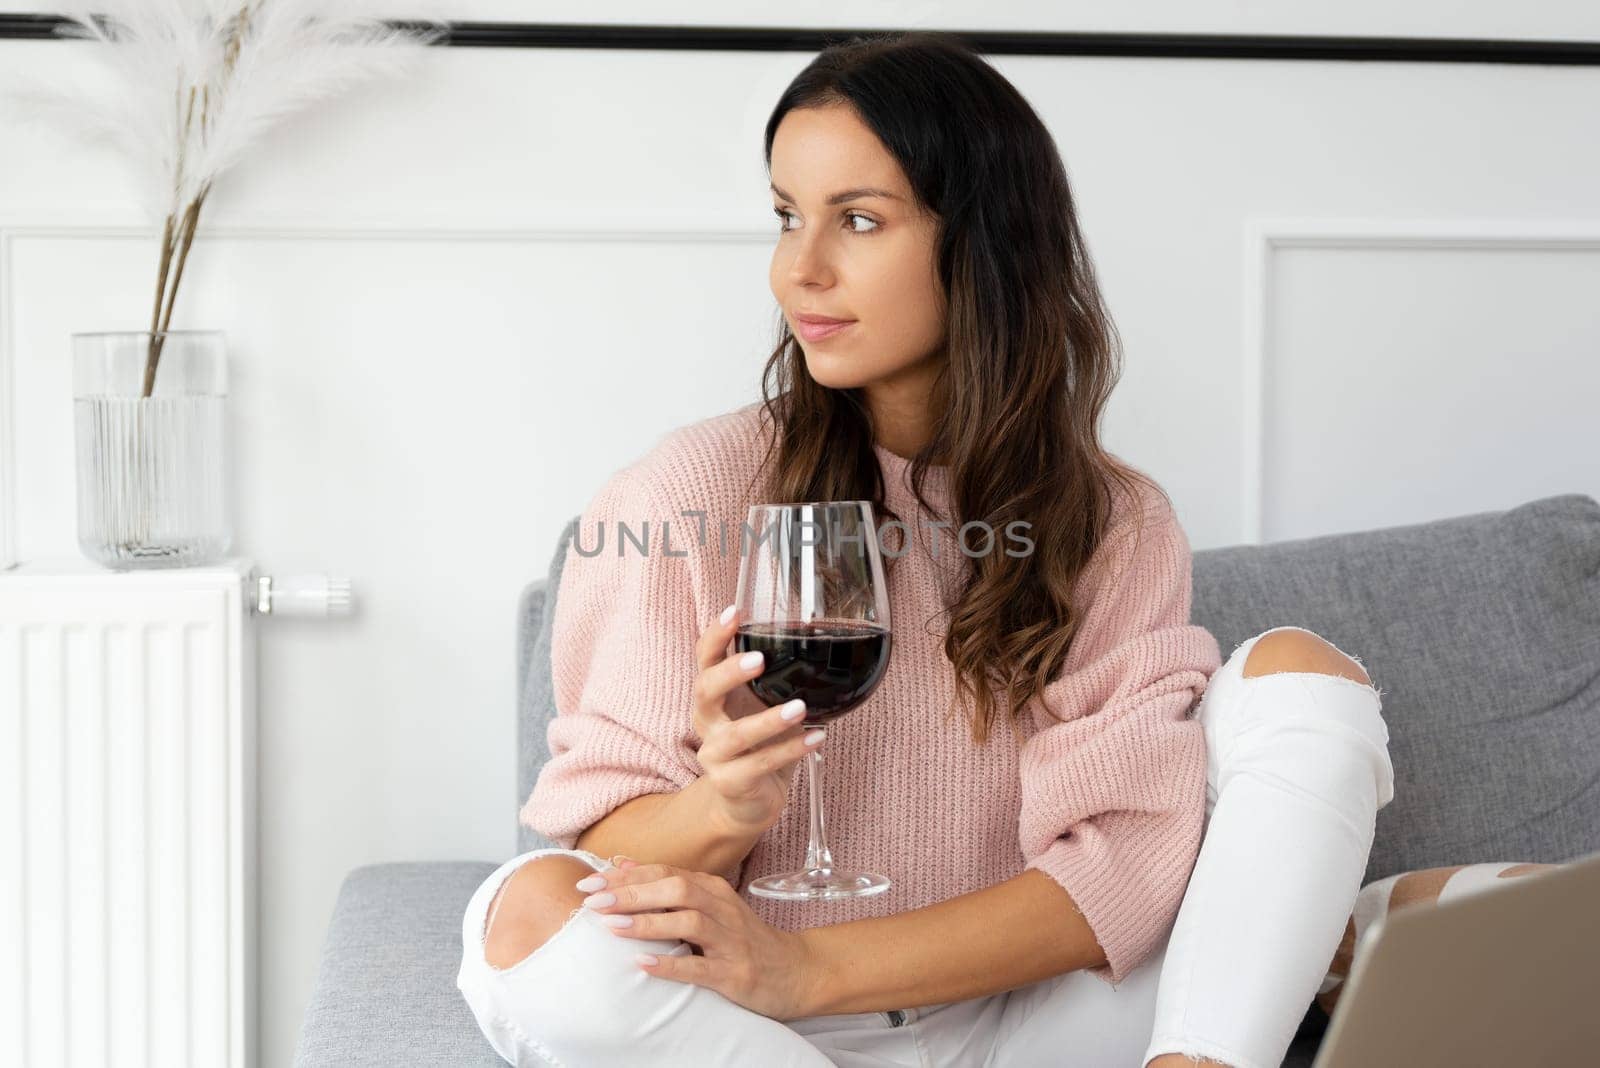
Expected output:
{"points": [[848, 194]]}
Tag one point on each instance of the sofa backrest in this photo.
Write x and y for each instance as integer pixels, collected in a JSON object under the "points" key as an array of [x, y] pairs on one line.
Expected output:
{"points": [[1481, 631], [536, 699]]}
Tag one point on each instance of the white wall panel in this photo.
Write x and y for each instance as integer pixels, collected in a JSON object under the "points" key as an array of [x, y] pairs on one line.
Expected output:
{"points": [[1414, 372]]}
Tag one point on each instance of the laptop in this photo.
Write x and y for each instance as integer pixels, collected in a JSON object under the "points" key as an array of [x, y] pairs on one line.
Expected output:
{"points": [[1507, 976]]}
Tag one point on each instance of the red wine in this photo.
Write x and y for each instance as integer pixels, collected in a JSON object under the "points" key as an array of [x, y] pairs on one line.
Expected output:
{"points": [[834, 666]]}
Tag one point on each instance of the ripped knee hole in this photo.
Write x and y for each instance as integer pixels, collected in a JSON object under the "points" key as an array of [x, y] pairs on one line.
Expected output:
{"points": [[530, 906]]}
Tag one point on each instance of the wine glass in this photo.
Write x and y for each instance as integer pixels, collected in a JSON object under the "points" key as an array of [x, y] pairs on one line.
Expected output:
{"points": [[812, 598]]}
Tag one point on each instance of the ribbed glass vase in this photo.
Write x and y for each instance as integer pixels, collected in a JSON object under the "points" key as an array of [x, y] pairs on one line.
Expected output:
{"points": [[149, 413]]}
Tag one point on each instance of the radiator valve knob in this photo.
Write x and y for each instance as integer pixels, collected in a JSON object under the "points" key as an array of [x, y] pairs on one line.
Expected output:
{"points": [[303, 595]]}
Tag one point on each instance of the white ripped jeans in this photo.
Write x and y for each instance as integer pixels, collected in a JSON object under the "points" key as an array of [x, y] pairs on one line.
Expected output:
{"points": [[1297, 768]]}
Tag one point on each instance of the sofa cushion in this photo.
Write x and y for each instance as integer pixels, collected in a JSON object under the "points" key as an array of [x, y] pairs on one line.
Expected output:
{"points": [[1482, 633], [385, 993]]}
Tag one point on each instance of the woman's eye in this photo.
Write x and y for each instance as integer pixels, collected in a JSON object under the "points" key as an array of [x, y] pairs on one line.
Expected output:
{"points": [[783, 216]]}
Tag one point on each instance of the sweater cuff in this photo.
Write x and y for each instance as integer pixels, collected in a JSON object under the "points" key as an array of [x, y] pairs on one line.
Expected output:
{"points": [[1114, 866]]}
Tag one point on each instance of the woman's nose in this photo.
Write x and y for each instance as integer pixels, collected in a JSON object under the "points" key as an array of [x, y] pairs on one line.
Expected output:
{"points": [[811, 263]]}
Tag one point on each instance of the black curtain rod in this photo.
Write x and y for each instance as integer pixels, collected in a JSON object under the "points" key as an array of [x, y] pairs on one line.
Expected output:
{"points": [[1003, 43]]}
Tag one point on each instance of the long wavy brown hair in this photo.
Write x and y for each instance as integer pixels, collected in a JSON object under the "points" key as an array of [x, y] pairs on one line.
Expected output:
{"points": [[1029, 361]]}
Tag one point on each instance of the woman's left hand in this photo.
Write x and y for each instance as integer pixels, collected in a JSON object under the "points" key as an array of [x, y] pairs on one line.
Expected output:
{"points": [[745, 959]]}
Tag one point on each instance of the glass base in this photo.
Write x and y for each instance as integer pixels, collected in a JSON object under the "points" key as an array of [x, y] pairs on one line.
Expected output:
{"points": [[820, 885], [130, 556]]}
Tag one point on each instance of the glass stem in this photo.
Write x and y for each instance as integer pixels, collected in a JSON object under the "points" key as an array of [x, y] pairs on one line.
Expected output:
{"points": [[819, 861]]}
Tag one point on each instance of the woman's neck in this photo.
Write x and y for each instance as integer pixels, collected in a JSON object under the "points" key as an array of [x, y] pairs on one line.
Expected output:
{"points": [[900, 419]]}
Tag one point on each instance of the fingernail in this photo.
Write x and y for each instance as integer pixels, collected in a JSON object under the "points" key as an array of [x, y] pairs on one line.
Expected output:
{"points": [[599, 901], [593, 882], [815, 737], [727, 614], [617, 919], [751, 659], [794, 709]]}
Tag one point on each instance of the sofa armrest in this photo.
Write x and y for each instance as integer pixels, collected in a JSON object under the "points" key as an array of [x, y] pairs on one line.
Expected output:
{"points": [[385, 992]]}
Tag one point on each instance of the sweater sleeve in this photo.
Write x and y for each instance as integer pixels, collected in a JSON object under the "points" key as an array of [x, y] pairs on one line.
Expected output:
{"points": [[1113, 779], [623, 665]]}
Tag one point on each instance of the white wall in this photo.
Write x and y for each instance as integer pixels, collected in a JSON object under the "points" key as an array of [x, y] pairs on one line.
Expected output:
{"points": [[457, 303]]}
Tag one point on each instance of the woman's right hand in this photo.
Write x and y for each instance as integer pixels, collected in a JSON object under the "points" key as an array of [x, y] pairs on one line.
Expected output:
{"points": [[748, 750]]}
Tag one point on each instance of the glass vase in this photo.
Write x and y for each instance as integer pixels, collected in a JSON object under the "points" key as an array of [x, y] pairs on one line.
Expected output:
{"points": [[149, 415]]}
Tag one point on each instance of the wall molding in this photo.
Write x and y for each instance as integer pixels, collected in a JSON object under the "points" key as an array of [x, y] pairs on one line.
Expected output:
{"points": [[1263, 238], [991, 42], [262, 228]]}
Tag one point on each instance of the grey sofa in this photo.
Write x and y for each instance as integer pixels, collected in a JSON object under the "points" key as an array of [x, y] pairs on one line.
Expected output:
{"points": [[1483, 631]]}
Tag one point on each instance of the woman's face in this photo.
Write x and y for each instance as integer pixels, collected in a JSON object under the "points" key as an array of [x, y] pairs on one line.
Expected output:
{"points": [[845, 253]]}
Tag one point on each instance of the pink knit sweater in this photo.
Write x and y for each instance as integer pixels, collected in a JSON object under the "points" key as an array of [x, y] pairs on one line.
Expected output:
{"points": [[1105, 793]]}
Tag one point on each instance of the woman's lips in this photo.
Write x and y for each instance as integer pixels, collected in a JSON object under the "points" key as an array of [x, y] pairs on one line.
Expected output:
{"points": [[818, 331]]}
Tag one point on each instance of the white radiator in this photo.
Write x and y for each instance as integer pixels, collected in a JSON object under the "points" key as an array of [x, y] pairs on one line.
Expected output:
{"points": [[127, 817]]}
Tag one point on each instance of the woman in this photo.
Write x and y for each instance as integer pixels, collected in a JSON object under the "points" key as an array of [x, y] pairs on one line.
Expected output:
{"points": [[1117, 877]]}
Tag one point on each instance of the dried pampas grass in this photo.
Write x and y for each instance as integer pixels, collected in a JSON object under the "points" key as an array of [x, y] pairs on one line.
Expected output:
{"points": [[190, 85]]}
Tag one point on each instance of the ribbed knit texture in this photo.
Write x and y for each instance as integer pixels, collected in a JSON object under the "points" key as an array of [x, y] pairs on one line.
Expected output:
{"points": [[1105, 793]]}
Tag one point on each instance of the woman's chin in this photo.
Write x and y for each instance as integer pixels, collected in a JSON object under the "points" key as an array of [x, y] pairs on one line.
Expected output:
{"points": [[834, 371]]}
